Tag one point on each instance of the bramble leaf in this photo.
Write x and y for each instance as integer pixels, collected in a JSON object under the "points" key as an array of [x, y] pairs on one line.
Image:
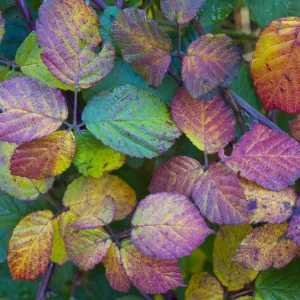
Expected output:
{"points": [[123, 119], [2, 27], [180, 11], [172, 215], [231, 274], [204, 286], [293, 232], [92, 158], [85, 191], [20, 187], [294, 127], [45, 157], [86, 248], [274, 65], [211, 61], [58, 252], [69, 32], [219, 196], [177, 175], [266, 156], [209, 124], [30, 246], [268, 206], [28, 57], [115, 272], [143, 44], [30, 109], [64, 219], [265, 247], [149, 275]]}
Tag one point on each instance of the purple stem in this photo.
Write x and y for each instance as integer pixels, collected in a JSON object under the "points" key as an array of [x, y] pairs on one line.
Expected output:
{"points": [[100, 3], [26, 14], [198, 26], [45, 282], [120, 4]]}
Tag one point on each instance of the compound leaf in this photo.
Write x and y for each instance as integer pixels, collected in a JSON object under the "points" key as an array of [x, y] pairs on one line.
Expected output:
{"points": [[115, 272], [19, 187], [265, 247], [180, 11], [30, 246], [204, 286], [45, 157], [211, 61], [274, 65], [231, 274], [209, 124], [86, 191], [92, 158], [123, 119], [149, 275], [266, 156], [69, 32], [172, 215], [30, 109], [143, 44], [219, 196], [177, 175]]}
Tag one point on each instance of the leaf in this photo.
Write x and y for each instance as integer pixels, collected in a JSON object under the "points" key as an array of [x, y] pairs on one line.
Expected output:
{"points": [[204, 286], [28, 57], [115, 272], [268, 206], [180, 11], [211, 61], [92, 158], [279, 284], [45, 157], [86, 248], [294, 127], [293, 232], [58, 252], [123, 119], [68, 31], [219, 196], [265, 247], [85, 190], [274, 71], [143, 44], [231, 274], [149, 275], [210, 124], [170, 215], [20, 187], [266, 156], [177, 175], [30, 110], [3, 72], [30, 246], [268, 10], [2, 27], [64, 219]]}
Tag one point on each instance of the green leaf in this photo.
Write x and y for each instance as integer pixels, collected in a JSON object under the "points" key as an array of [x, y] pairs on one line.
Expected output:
{"points": [[28, 57], [131, 121], [122, 74], [3, 72], [268, 10], [283, 284], [214, 11], [92, 158]]}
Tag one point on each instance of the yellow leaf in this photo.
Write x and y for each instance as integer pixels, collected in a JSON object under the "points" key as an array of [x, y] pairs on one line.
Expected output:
{"points": [[58, 253]]}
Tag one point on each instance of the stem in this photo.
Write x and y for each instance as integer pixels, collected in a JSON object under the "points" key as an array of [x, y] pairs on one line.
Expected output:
{"points": [[26, 14], [55, 204], [74, 283], [75, 105], [206, 159], [146, 296], [271, 115], [124, 234], [120, 4], [45, 282], [179, 44], [174, 75], [236, 110], [241, 294], [198, 26], [100, 3], [253, 112]]}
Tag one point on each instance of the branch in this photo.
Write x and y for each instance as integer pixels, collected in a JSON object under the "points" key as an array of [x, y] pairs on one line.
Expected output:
{"points": [[174, 75], [100, 3], [253, 112], [120, 4], [198, 26], [45, 282], [26, 14]]}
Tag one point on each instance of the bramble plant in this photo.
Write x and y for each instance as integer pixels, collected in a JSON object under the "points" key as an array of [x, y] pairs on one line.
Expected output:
{"points": [[133, 136]]}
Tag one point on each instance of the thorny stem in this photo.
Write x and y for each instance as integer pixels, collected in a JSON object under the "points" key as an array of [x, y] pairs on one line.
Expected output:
{"points": [[100, 3], [45, 282], [75, 105], [198, 26], [120, 4], [26, 14], [174, 75]]}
